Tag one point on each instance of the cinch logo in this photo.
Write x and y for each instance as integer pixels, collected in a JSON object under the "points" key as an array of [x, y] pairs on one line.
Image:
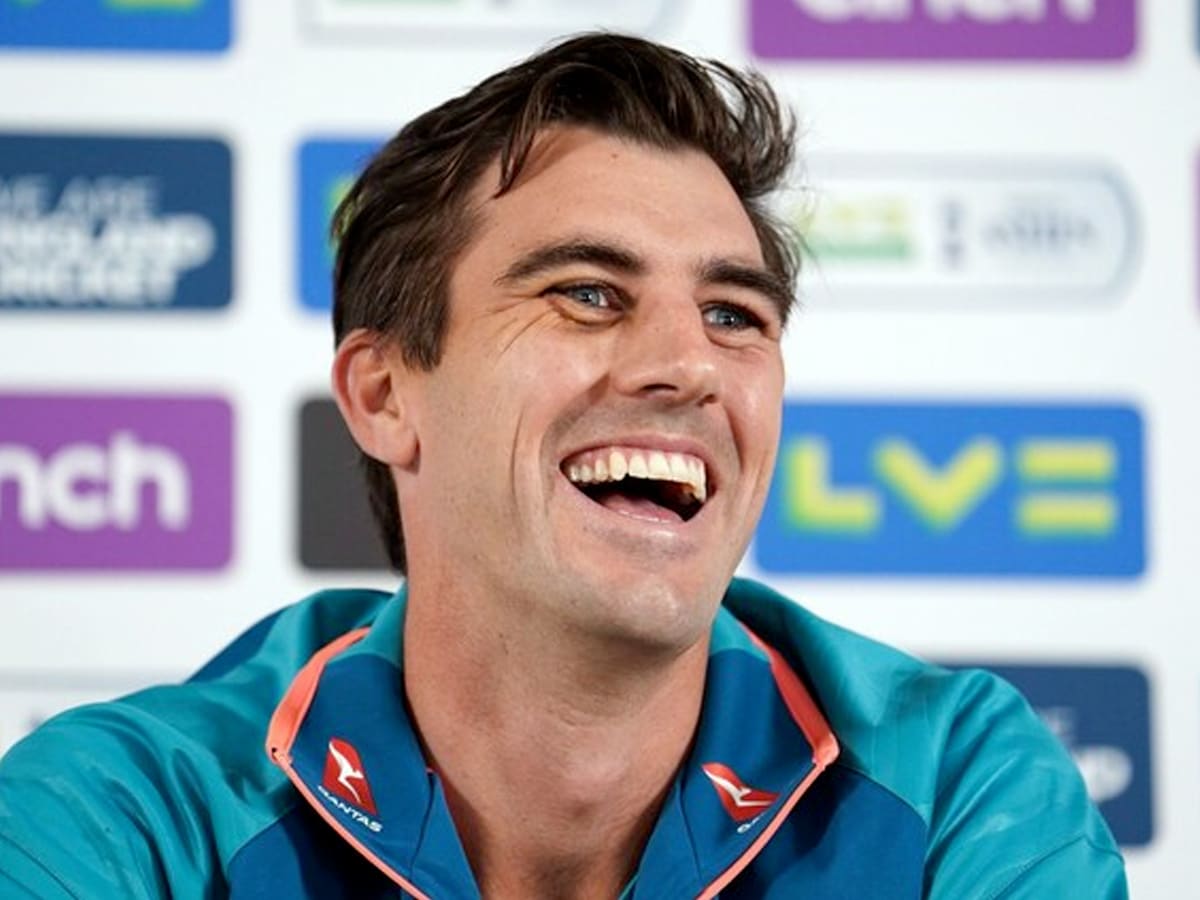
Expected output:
{"points": [[344, 778], [956, 489], [335, 524], [961, 231], [48, 490], [174, 25], [114, 223], [327, 169], [1102, 716], [520, 19], [943, 29], [742, 802], [97, 482]]}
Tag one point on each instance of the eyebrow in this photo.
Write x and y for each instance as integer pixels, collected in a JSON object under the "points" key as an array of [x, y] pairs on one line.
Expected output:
{"points": [[552, 256]]}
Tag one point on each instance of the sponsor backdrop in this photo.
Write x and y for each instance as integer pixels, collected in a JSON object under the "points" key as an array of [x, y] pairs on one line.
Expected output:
{"points": [[992, 426]]}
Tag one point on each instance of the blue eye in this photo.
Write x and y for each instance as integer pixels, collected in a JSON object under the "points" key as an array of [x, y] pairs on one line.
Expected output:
{"points": [[593, 295], [731, 317]]}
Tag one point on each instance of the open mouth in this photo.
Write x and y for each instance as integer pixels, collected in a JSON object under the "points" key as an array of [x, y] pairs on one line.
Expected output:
{"points": [[648, 484]]}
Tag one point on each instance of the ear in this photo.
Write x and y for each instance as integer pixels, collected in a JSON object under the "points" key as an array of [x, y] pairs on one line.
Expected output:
{"points": [[368, 383]]}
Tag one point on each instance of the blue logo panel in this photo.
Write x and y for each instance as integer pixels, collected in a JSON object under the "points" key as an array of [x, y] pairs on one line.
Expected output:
{"points": [[1102, 716], [327, 169], [956, 489], [97, 222], [155, 25]]}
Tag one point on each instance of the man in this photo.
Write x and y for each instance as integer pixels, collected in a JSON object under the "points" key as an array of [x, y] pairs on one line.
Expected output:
{"points": [[559, 309]]}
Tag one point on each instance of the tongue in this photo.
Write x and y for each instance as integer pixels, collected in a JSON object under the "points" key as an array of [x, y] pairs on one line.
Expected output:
{"points": [[638, 508]]}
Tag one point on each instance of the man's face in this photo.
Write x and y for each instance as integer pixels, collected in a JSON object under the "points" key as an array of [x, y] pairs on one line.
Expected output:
{"points": [[596, 443]]}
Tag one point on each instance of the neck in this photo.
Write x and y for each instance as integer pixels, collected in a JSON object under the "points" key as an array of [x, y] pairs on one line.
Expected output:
{"points": [[556, 751]]}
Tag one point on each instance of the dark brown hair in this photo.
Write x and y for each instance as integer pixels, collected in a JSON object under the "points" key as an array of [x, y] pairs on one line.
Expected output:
{"points": [[404, 222]]}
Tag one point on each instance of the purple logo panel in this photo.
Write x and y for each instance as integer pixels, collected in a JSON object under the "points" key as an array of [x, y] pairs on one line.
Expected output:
{"points": [[943, 29], [127, 482]]}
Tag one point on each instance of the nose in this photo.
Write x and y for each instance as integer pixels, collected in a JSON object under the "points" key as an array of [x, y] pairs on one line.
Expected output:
{"points": [[664, 350]]}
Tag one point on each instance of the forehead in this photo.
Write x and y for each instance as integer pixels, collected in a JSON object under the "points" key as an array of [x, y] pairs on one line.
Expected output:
{"points": [[667, 205]]}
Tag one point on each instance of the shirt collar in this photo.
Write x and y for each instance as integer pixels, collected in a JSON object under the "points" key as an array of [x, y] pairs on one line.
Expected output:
{"points": [[759, 743]]}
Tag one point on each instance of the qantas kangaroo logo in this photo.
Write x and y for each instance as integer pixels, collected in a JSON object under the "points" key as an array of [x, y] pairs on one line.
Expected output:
{"points": [[344, 776], [741, 801]]}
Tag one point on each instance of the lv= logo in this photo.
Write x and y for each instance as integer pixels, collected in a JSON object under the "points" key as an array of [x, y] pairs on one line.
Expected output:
{"points": [[955, 488], [941, 497]]}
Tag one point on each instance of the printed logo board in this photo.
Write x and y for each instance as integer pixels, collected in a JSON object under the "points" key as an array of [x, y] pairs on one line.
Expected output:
{"points": [[970, 489], [336, 530], [180, 26], [960, 30], [536, 19], [1102, 716], [962, 232], [115, 223], [115, 482], [326, 168]]}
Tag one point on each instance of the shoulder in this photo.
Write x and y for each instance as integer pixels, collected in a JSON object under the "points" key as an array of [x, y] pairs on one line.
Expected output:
{"points": [[146, 794], [868, 690], [1000, 799]]}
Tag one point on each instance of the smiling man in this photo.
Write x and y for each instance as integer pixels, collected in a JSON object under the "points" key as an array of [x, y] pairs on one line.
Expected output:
{"points": [[559, 304]]}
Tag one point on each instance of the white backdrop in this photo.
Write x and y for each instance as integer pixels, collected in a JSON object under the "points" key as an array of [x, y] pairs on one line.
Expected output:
{"points": [[1125, 333]]}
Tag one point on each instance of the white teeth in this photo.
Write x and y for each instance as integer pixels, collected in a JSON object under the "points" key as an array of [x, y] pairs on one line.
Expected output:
{"points": [[638, 467], [658, 466], [618, 466], [678, 467]]}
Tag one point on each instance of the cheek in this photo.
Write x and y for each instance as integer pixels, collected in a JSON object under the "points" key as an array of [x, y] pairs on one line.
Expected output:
{"points": [[551, 372], [516, 404], [757, 401], [460, 425]]}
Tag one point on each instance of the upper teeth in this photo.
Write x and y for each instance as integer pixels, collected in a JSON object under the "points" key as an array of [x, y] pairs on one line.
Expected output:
{"points": [[615, 465]]}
